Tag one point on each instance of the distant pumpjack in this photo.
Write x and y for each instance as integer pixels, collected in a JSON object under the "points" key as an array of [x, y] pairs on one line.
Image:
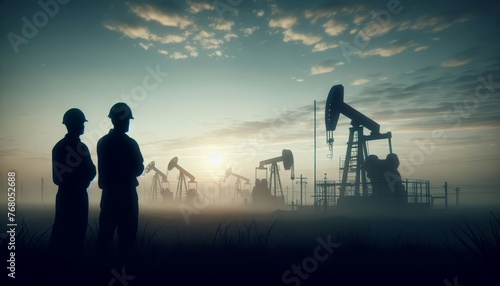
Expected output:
{"points": [[274, 179], [157, 183], [183, 188], [240, 192], [356, 146]]}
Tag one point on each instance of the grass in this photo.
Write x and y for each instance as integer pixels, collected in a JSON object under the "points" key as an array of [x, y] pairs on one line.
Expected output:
{"points": [[257, 249], [481, 243]]}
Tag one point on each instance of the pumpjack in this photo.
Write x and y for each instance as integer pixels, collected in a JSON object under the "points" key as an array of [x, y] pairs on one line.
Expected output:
{"points": [[241, 191], [159, 182], [357, 151], [274, 189], [184, 189]]}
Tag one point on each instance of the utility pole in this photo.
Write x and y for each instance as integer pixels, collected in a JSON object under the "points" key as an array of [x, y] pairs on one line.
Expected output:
{"points": [[314, 191], [446, 195], [325, 202], [302, 180]]}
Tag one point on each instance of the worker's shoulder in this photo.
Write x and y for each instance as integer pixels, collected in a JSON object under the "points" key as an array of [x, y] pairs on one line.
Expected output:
{"points": [[114, 139], [60, 144], [61, 141]]}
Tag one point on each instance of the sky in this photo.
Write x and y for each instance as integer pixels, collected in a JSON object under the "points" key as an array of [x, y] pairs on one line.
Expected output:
{"points": [[229, 83]]}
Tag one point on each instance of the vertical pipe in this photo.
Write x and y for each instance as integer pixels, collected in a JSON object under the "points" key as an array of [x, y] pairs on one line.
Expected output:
{"points": [[446, 195], [315, 198], [325, 202], [407, 191]]}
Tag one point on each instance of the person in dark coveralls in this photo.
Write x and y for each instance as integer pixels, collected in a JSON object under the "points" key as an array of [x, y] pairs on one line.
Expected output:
{"points": [[72, 172], [120, 162]]}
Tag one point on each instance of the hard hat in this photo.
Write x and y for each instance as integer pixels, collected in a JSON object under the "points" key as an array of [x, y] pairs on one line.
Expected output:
{"points": [[74, 115], [120, 111]]}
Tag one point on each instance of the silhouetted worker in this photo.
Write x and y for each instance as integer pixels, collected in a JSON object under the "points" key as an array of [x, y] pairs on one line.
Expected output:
{"points": [[255, 193], [167, 195], [120, 162], [191, 196], [72, 171]]}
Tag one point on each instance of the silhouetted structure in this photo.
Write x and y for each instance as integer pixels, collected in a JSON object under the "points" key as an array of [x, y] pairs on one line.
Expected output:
{"points": [[184, 189], [276, 198], [357, 150], [166, 194], [119, 163], [384, 176], [72, 172], [241, 193]]}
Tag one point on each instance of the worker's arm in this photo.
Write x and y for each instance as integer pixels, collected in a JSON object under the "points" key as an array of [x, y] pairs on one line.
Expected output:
{"points": [[89, 165], [138, 166], [56, 168]]}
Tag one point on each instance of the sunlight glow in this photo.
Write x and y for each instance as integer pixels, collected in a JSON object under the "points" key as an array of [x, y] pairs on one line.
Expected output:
{"points": [[214, 160]]}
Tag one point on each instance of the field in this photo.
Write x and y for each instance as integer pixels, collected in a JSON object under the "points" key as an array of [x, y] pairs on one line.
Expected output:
{"points": [[245, 247]]}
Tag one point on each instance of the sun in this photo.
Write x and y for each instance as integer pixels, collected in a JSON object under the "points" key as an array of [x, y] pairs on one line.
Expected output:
{"points": [[214, 160]]}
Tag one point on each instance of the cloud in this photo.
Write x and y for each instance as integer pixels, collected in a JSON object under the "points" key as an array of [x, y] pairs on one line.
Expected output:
{"points": [[163, 52], [316, 15], [360, 81], [222, 25], [284, 23], [249, 31], [207, 40], [454, 63], [289, 35], [396, 48], [306, 39], [358, 19], [131, 31], [437, 24], [325, 67], [334, 28], [425, 22], [420, 48], [321, 47], [298, 79], [217, 53], [462, 58], [178, 56], [446, 25], [134, 32], [259, 13], [229, 36], [376, 30], [197, 7], [150, 13], [191, 50], [146, 46]]}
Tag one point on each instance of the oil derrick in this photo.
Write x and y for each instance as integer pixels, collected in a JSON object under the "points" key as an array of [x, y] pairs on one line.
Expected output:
{"points": [[160, 185], [357, 164], [271, 192], [241, 190], [186, 191]]}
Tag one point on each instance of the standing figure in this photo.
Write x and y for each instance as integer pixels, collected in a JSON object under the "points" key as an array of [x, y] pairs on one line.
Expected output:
{"points": [[120, 162], [72, 172]]}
